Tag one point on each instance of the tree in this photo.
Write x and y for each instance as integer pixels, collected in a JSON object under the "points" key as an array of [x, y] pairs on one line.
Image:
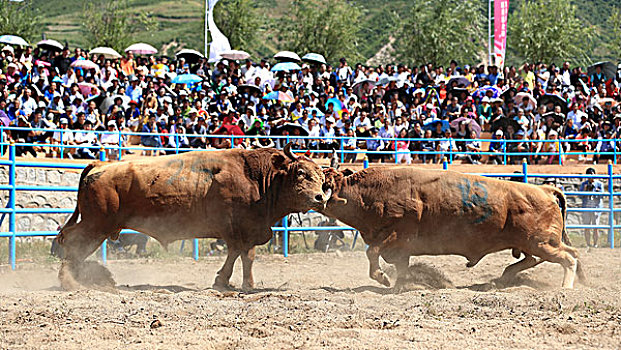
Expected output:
{"points": [[614, 43], [110, 23], [549, 31], [327, 27], [438, 31], [19, 18], [239, 21]]}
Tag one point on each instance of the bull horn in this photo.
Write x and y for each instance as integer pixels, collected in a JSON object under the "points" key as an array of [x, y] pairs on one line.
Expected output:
{"points": [[288, 152]]}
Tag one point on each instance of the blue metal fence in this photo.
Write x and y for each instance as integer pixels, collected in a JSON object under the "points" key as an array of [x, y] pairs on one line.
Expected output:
{"points": [[13, 210], [504, 152]]}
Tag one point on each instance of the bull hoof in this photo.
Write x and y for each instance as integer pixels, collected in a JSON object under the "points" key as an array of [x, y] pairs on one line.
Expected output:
{"points": [[247, 287], [382, 278], [221, 285]]}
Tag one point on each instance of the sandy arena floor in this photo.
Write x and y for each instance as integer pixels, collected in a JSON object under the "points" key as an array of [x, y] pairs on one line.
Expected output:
{"points": [[315, 301]]}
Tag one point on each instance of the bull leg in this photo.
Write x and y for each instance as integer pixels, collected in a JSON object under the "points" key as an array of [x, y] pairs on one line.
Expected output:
{"points": [[78, 243], [247, 260], [512, 270], [375, 272], [402, 263], [560, 255], [224, 275]]}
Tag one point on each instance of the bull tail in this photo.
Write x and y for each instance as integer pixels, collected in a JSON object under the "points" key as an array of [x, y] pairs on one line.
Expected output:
{"points": [[562, 203], [76, 213]]}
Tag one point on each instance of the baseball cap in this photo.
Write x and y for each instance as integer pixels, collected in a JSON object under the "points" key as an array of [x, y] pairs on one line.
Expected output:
{"points": [[64, 121], [590, 171], [111, 123]]}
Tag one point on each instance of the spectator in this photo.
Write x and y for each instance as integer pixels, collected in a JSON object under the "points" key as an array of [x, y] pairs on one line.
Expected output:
{"points": [[591, 201]]}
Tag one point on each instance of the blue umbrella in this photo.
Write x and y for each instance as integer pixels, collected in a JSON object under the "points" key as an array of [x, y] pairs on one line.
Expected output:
{"points": [[187, 79], [432, 125], [286, 66], [480, 92], [311, 110], [314, 58], [13, 40], [338, 105]]}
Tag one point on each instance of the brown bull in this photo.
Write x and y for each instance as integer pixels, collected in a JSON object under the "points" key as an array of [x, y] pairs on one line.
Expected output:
{"points": [[404, 211], [236, 195]]}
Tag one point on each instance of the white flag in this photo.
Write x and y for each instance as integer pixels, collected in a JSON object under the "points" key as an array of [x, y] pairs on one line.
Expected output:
{"points": [[219, 42]]}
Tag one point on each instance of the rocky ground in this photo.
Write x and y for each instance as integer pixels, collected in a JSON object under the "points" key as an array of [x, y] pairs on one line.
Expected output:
{"points": [[315, 301]]}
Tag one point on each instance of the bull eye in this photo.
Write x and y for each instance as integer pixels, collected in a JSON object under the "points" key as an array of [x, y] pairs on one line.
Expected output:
{"points": [[301, 173]]}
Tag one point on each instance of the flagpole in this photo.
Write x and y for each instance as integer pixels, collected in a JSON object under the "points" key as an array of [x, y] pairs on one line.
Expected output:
{"points": [[206, 26]]}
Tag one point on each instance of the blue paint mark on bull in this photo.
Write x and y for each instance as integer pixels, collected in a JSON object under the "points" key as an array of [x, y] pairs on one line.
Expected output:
{"points": [[176, 176], [476, 199]]}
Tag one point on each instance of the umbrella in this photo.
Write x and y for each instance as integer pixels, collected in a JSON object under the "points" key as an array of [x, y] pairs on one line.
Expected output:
{"points": [[285, 66], [278, 96], [13, 40], [287, 56], [520, 96], [105, 103], [85, 64], [463, 81], [338, 105], [319, 112], [458, 91], [432, 125], [187, 79], [141, 49], [357, 86], [556, 100], [609, 69], [85, 88], [291, 128], [234, 55], [314, 58], [504, 122], [43, 63], [506, 94], [189, 55], [557, 117], [4, 120], [605, 100], [229, 129], [480, 92], [250, 87], [50, 45], [474, 126], [386, 80], [107, 52]]}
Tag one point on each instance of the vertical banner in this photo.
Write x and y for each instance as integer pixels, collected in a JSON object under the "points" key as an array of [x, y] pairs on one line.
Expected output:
{"points": [[219, 42], [501, 12]]}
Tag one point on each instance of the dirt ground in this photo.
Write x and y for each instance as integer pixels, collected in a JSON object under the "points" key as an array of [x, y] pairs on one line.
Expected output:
{"points": [[315, 301]]}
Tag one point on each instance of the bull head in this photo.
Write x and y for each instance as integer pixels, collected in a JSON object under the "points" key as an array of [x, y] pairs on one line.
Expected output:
{"points": [[333, 182]]}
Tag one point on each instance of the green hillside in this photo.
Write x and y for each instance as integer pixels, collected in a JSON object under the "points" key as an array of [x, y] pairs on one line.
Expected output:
{"points": [[181, 22]]}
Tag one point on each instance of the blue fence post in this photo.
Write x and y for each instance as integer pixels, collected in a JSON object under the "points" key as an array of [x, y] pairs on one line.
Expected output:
{"points": [[176, 142], [62, 146], [12, 195], [195, 249], [342, 153], [120, 145], [611, 223], [614, 159], [560, 153], [525, 170], [285, 236], [504, 152], [353, 244], [450, 152], [104, 252], [102, 154], [365, 162], [444, 164]]}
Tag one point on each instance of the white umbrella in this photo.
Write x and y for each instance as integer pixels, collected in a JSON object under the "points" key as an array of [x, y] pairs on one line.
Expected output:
{"points": [[141, 49], [189, 55], [107, 52], [50, 45], [521, 95], [234, 55], [287, 56], [13, 40], [85, 64]]}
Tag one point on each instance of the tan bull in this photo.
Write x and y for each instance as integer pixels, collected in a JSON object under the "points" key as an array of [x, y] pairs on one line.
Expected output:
{"points": [[404, 211], [236, 195]]}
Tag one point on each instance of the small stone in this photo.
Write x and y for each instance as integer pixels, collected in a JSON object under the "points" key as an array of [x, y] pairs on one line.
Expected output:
{"points": [[156, 324]]}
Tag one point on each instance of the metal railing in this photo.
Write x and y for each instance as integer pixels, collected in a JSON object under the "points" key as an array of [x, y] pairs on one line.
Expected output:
{"points": [[12, 210], [505, 150]]}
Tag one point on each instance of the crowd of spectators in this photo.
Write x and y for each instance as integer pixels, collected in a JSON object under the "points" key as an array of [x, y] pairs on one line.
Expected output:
{"points": [[378, 108]]}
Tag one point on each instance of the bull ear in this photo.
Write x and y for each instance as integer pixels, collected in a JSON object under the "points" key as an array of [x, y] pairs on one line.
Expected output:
{"points": [[339, 201], [347, 172], [278, 161]]}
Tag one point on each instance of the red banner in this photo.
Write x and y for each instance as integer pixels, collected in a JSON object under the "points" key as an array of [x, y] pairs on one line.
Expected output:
{"points": [[501, 11]]}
